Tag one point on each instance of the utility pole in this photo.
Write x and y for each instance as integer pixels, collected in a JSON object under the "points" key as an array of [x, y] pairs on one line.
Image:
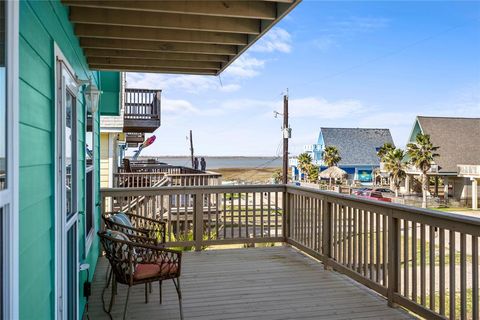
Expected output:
{"points": [[286, 136], [191, 146]]}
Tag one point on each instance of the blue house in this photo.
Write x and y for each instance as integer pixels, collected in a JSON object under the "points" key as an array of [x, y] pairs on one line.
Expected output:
{"points": [[357, 147]]}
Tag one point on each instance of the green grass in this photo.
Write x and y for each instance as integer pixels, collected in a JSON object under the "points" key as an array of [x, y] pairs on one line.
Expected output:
{"points": [[458, 303], [451, 209]]}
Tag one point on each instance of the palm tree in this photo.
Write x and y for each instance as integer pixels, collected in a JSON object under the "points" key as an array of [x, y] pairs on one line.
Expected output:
{"points": [[312, 171], [395, 164], [422, 155], [304, 160], [383, 150], [331, 157]]}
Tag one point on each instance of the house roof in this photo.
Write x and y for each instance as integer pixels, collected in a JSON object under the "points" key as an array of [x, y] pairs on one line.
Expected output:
{"points": [[357, 146], [186, 37], [458, 139]]}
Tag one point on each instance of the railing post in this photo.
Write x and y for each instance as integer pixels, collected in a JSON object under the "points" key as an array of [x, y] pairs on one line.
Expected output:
{"points": [[327, 229], [393, 258], [198, 221], [286, 214]]}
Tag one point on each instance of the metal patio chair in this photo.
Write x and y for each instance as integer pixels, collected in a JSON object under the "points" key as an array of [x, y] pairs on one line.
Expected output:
{"points": [[134, 263]]}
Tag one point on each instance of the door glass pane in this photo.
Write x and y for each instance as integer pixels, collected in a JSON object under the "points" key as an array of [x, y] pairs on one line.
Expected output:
{"points": [[69, 149], [89, 204], [72, 272], [3, 101], [89, 140]]}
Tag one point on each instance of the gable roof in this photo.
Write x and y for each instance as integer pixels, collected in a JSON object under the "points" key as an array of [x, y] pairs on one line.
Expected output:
{"points": [[357, 146], [458, 139]]}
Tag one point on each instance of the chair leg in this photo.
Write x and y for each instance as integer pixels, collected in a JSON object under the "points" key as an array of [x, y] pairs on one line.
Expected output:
{"points": [[126, 304], [160, 290], [109, 278], [146, 292], [179, 293]]}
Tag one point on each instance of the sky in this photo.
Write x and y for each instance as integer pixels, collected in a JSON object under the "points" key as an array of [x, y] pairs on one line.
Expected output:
{"points": [[346, 64]]}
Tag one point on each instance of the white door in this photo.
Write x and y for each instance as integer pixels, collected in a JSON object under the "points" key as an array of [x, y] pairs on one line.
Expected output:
{"points": [[67, 214]]}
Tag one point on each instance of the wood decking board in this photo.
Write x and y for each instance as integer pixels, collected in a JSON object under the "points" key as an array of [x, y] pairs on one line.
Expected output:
{"points": [[254, 283]]}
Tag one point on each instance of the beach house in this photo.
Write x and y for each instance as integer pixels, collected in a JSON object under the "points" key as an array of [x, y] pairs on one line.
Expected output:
{"points": [[357, 147], [458, 165], [60, 67], [61, 64]]}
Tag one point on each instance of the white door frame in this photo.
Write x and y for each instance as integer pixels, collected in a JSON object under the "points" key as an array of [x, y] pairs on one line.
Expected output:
{"points": [[9, 196], [64, 77]]}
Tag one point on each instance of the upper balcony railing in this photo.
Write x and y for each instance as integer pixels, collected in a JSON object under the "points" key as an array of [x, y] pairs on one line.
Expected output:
{"points": [[142, 110], [469, 170], [425, 261]]}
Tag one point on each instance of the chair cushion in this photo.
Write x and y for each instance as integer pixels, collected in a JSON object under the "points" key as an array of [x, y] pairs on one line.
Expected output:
{"points": [[151, 270], [122, 218], [117, 235]]}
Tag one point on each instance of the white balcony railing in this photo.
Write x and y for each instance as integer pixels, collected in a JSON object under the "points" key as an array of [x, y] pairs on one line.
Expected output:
{"points": [[467, 170]]}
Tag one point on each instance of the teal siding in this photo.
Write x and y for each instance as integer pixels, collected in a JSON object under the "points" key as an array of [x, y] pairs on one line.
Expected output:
{"points": [[110, 100], [43, 23], [416, 130]]}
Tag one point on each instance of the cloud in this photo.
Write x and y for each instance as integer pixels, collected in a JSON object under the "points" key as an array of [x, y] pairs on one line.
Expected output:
{"points": [[277, 39], [187, 83], [244, 67], [172, 107]]}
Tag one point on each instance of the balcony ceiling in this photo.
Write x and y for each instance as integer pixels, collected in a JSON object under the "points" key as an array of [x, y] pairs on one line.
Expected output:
{"points": [[186, 37]]}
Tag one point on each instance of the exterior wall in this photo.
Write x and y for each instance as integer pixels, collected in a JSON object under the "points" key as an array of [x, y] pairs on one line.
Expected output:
{"points": [[43, 23], [462, 188]]}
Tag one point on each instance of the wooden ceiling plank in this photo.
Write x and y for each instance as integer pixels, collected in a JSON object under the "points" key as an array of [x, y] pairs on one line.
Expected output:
{"points": [[139, 45], [154, 63], [163, 20], [155, 34], [237, 9], [155, 55], [153, 70]]}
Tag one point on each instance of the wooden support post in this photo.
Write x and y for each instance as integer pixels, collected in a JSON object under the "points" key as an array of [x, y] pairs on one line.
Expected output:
{"points": [[285, 140], [327, 232], [198, 222], [474, 194], [393, 258]]}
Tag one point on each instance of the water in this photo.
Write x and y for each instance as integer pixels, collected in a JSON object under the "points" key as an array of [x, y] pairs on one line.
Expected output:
{"points": [[227, 162]]}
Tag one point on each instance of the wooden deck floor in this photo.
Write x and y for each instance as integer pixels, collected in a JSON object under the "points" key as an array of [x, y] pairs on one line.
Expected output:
{"points": [[255, 283]]}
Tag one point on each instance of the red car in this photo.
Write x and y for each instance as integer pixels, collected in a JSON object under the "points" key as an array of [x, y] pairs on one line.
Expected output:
{"points": [[374, 195]]}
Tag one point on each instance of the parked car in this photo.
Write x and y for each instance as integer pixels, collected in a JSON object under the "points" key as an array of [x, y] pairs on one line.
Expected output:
{"points": [[386, 192], [375, 195], [361, 191]]}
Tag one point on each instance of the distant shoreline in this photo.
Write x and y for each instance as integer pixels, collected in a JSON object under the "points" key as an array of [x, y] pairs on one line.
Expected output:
{"points": [[223, 161]]}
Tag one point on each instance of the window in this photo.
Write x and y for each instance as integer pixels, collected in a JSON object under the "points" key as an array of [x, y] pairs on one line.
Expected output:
{"points": [[8, 160], [90, 182], [66, 190], [3, 102]]}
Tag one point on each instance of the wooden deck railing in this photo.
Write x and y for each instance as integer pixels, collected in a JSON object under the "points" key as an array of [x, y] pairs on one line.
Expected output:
{"points": [[142, 104], [157, 179], [423, 260]]}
